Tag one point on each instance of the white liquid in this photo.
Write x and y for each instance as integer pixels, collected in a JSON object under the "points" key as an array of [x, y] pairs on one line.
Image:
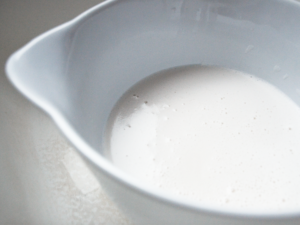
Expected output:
{"points": [[214, 135]]}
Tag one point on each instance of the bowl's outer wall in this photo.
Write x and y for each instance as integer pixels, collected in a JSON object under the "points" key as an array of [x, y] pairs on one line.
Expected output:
{"points": [[92, 63]]}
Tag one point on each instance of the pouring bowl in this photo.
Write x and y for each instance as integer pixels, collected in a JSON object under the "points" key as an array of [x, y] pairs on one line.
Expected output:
{"points": [[77, 72]]}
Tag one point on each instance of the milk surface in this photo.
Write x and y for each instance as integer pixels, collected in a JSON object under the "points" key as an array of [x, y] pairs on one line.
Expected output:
{"points": [[214, 135]]}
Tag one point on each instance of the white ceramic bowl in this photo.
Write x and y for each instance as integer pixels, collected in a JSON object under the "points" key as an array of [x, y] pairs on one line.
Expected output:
{"points": [[77, 71]]}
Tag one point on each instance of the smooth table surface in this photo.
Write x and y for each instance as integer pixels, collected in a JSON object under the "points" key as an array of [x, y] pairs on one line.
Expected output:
{"points": [[42, 179]]}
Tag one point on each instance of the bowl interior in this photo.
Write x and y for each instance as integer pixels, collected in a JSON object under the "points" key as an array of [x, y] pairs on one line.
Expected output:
{"points": [[129, 40]]}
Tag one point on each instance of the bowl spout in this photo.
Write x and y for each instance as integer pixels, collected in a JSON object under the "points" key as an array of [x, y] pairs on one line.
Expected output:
{"points": [[38, 69]]}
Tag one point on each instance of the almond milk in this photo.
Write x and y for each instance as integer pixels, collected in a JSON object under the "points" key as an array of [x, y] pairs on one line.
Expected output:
{"points": [[210, 134]]}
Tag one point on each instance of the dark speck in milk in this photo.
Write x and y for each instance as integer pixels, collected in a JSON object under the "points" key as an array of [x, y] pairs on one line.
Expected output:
{"points": [[197, 130], [135, 96]]}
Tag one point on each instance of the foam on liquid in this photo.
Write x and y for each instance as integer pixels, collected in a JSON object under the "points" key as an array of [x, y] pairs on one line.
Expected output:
{"points": [[214, 135]]}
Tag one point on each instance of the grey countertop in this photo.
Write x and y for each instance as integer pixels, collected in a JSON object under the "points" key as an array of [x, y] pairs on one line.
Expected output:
{"points": [[42, 179]]}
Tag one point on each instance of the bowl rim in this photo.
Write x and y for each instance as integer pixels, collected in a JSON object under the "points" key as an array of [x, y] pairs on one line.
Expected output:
{"points": [[100, 162]]}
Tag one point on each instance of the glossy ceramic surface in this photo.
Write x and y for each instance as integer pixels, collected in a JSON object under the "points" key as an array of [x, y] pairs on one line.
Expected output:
{"points": [[77, 72]]}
